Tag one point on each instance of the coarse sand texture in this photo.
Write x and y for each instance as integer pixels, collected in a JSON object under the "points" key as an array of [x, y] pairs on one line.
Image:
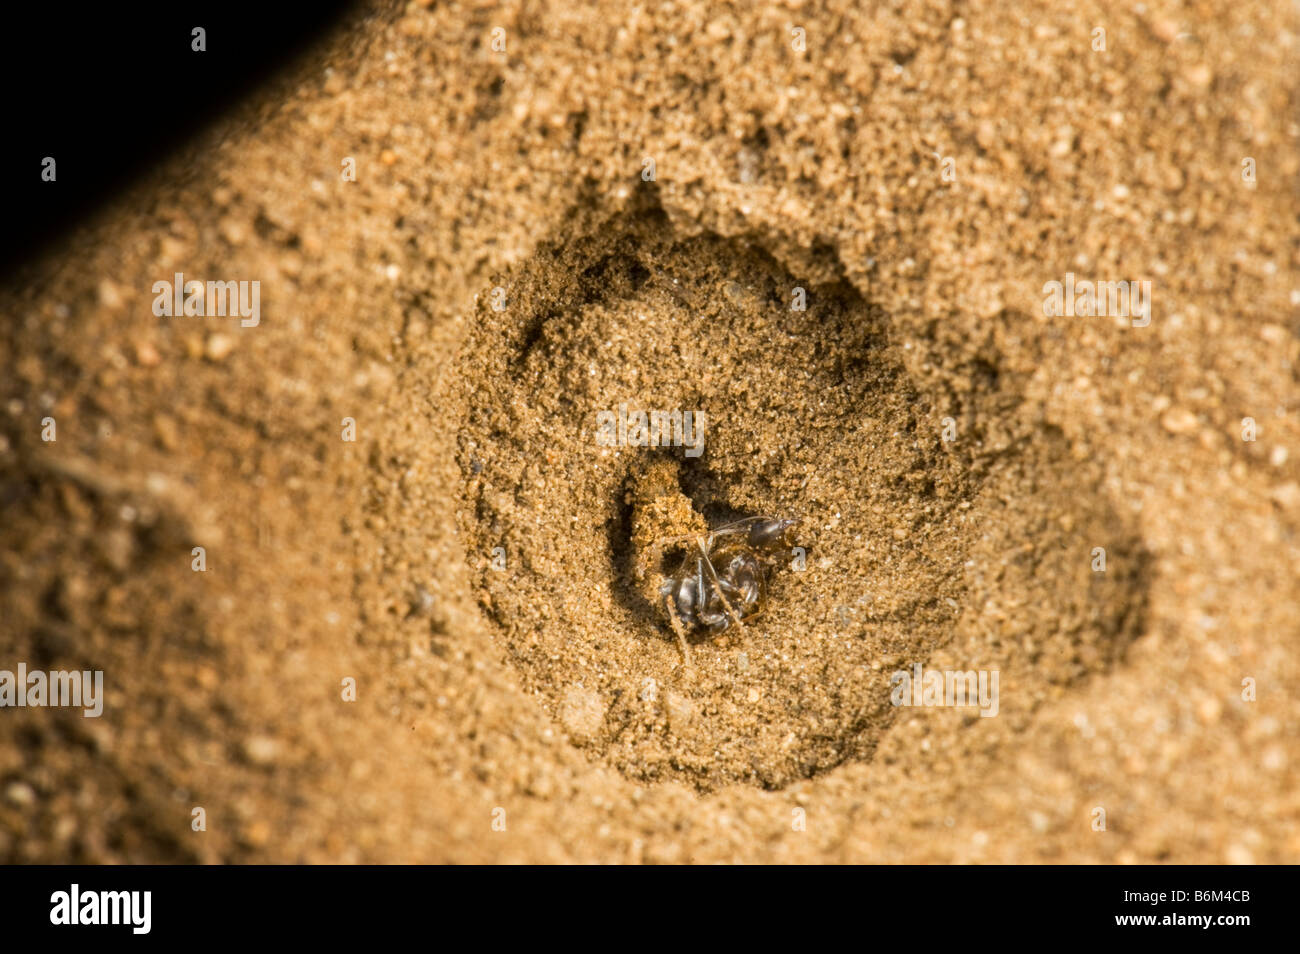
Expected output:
{"points": [[378, 577]]}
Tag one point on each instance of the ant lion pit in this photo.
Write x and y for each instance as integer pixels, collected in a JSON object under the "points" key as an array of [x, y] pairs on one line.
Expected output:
{"points": [[767, 664]]}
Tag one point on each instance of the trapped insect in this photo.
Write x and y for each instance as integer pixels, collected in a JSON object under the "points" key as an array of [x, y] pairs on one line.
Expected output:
{"points": [[722, 579]]}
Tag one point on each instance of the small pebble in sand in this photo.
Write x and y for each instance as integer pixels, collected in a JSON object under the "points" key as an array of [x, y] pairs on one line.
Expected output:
{"points": [[681, 711], [109, 295], [166, 432], [232, 230], [146, 355], [582, 713], [1287, 496], [219, 347], [261, 749], [1179, 420], [1238, 854], [20, 793]]}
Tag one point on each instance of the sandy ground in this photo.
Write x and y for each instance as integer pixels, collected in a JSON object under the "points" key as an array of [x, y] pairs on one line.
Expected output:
{"points": [[430, 642]]}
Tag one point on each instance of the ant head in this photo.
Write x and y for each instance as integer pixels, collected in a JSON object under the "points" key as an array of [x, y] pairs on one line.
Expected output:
{"points": [[770, 532]]}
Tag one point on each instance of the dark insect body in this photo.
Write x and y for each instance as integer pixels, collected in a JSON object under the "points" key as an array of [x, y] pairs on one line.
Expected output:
{"points": [[722, 579]]}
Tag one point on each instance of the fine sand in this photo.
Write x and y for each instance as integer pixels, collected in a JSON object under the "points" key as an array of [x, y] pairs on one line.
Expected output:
{"points": [[425, 627]]}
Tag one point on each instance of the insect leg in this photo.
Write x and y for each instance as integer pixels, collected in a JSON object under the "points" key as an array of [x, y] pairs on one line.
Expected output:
{"points": [[670, 603], [713, 575], [699, 582]]}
